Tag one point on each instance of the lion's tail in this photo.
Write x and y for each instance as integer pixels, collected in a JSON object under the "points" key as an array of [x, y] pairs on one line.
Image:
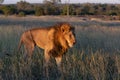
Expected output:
{"points": [[19, 45]]}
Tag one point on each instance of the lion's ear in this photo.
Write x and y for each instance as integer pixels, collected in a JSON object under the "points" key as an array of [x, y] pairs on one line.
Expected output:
{"points": [[65, 28], [62, 29]]}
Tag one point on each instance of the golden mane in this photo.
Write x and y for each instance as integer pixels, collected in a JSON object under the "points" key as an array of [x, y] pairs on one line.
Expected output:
{"points": [[58, 49]]}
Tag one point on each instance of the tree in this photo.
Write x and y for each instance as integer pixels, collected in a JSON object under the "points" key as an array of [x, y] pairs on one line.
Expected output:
{"points": [[55, 1], [78, 11], [64, 10], [39, 11], [52, 1], [72, 9], [50, 9], [25, 7], [8, 10], [85, 10], [68, 7]]}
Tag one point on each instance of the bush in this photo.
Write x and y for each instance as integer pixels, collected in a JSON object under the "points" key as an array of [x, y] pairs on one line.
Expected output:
{"points": [[21, 14], [39, 11], [8, 10]]}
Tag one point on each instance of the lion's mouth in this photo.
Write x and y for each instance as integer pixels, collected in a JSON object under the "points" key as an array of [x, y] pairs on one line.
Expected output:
{"points": [[69, 44]]}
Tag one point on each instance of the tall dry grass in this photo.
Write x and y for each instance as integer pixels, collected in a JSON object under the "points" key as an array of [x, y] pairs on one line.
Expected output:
{"points": [[96, 55]]}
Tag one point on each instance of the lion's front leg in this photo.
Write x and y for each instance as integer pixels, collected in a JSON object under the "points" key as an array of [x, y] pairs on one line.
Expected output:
{"points": [[58, 62]]}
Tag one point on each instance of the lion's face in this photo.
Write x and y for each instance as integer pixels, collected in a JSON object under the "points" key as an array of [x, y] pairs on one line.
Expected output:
{"points": [[70, 37]]}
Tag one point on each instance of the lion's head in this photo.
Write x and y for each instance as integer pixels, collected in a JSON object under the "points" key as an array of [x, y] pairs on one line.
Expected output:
{"points": [[64, 38], [68, 35]]}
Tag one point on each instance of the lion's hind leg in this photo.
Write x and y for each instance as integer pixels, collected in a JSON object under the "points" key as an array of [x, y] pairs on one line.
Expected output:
{"points": [[29, 48]]}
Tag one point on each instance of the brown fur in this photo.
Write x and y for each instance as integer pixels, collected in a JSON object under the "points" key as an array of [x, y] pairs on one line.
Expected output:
{"points": [[52, 39]]}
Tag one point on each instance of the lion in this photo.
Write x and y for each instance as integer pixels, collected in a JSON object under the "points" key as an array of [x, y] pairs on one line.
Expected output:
{"points": [[54, 40]]}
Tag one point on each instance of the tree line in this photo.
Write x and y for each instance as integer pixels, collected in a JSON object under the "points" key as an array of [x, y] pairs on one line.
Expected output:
{"points": [[24, 8]]}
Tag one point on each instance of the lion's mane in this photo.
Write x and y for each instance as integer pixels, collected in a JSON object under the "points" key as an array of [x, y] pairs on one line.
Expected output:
{"points": [[59, 49]]}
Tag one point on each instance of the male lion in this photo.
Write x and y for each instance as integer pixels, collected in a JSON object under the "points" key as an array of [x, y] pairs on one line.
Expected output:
{"points": [[55, 41]]}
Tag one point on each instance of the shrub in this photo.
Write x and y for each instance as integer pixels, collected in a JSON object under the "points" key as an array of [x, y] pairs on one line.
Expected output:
{"points": [[8, 10], [38, 11], [21, 14]]}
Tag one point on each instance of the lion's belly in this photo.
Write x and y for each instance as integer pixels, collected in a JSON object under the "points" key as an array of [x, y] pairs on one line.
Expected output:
{"points": [[41, 45]]}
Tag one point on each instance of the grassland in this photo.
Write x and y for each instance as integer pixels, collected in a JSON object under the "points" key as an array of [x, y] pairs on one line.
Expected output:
{"points": [[96, 55]]}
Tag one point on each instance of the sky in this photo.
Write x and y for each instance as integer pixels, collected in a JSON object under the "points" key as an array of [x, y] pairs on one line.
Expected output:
{"points": [[63, 1]]}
